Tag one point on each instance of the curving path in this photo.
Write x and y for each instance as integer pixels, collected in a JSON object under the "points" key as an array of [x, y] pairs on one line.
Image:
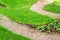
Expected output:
{"points": [[38, 7], [25, 30]]}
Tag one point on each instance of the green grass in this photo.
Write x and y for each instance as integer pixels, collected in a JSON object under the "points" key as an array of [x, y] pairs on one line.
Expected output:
{"points": [[19, 11], [51, 27], [8, 35], [52, 8]]}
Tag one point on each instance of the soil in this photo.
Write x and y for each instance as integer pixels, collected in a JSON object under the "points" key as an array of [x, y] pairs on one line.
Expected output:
{"points": [[38, 7], [25, 30]]}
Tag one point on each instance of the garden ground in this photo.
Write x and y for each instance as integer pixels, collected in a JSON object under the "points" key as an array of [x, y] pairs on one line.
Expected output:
{"points": [[38, 7], [25, 30]]}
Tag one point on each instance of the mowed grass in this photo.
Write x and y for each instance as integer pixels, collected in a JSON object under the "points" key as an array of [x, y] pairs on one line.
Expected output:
{"points": [[52, 8], [8, 35], [19, 11]]}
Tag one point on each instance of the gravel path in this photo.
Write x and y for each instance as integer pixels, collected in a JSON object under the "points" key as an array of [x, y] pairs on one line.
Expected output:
{"points": [[38, 7], [25, 30]]}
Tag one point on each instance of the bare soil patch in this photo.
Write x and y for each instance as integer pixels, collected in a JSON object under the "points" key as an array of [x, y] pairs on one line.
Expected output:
{"points": [[38, 7], [25, 30]]}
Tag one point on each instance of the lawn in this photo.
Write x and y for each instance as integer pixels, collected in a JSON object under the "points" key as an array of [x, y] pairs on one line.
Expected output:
{"points": [[8, 35], [19, 11], [52, 8]]}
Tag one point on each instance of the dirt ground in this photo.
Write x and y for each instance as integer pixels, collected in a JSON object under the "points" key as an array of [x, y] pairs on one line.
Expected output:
{"points": [[38, 7], [25, 30]]}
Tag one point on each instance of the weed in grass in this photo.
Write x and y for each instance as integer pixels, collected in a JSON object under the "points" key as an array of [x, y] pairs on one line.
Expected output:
{"points": [[51, 27]]}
